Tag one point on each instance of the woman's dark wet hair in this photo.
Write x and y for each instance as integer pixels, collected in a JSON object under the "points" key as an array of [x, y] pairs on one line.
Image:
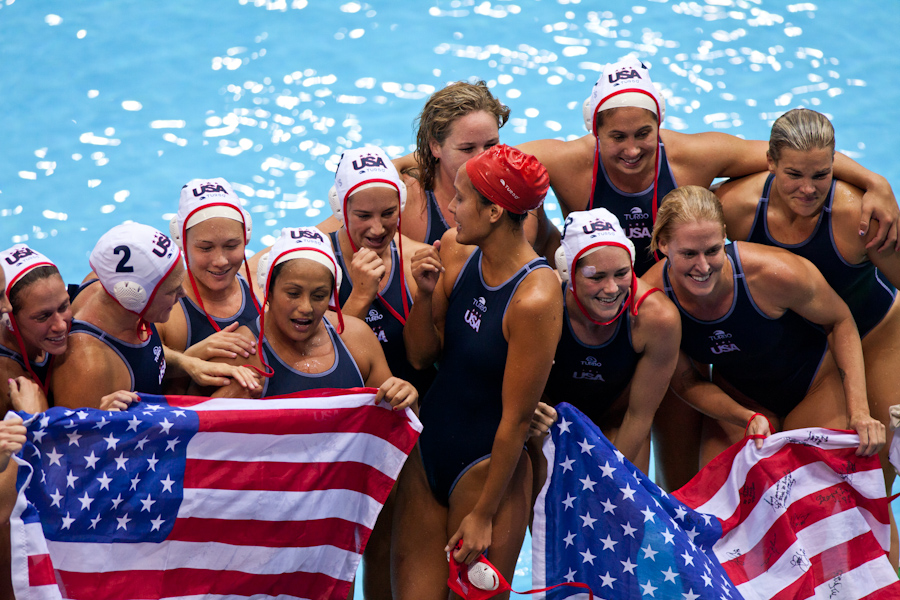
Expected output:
{"points": [[276, 271], [36, 274], [516, 218]]}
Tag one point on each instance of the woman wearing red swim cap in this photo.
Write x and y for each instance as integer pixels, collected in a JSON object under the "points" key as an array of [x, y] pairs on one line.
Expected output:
{"points": [[488, 309]]}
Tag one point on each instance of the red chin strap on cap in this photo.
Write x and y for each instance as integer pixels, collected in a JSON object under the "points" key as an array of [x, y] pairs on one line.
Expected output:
{"points": [[21, 342], [200, 298], [481, 580], [267, 370], [626, 303], [14, 328]]}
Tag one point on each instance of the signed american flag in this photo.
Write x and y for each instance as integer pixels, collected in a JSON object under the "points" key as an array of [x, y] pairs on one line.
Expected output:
{"points": [[183, 497], [802, 518]]}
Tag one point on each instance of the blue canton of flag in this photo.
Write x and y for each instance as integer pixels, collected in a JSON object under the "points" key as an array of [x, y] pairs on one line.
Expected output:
{"points": [[601, 521], [116, 478]]}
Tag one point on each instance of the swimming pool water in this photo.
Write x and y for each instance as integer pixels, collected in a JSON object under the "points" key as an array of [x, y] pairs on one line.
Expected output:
{"points": [[109, 107]]}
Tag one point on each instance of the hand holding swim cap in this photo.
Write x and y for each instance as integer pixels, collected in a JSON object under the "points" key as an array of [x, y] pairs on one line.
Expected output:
{"points": [[623, 83], [509, 178]]}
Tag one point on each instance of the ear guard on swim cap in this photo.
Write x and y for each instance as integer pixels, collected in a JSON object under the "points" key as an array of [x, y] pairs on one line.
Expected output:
{"points": [[203, 199], [561, 265], [360, 169]]}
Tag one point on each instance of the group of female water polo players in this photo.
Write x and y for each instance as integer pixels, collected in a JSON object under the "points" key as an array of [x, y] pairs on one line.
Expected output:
{"points": [[663, 310]]}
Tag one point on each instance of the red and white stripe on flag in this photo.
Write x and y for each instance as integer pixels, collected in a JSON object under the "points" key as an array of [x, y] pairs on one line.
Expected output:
{"points": [[277, 505], [803, 517]]}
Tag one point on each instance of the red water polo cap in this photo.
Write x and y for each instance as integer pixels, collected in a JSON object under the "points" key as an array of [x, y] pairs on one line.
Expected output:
{"points": [[509, 178]]}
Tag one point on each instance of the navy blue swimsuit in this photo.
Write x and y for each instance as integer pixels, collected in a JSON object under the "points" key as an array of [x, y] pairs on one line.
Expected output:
{"points": [[591, 378], [437, 225], [146, 361], [387, 327], [41, 369], [771, 361], [634, 211], [74, 289], [343, 373], [861, 286], [462, 410], [198, 326]]}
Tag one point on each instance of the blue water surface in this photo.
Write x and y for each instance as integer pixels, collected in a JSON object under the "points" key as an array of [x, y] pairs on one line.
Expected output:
{"points": [[109, 107]]}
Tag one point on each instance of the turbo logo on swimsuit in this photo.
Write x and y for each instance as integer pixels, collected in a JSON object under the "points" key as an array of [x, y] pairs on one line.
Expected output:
{"points": [[473, 316], [639, 224], [589, 374], [721, 342]]}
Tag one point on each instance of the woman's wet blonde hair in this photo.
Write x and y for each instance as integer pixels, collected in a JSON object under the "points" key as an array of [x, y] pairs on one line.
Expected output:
{"points": [[800, 129], [443, 108], [686, 204]]}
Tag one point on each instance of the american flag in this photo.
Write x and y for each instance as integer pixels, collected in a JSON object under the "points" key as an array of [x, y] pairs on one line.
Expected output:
{"points": [[187, 497], [803, 517], [600, 521]]}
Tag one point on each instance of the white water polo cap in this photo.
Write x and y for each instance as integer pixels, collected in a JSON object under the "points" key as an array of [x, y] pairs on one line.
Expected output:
{"points": [[18, 261], [623, 83], [302, 242], [585, 232], [131, 261], [299, 242], [360, 169], [203, 199]]}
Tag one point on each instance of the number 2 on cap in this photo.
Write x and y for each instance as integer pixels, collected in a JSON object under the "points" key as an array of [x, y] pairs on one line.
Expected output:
{"points": [[123, 267]]}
